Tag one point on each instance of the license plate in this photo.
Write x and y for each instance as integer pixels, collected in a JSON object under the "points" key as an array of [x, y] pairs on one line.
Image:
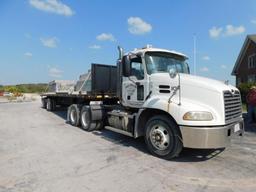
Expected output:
{"points": [[237, 127]]}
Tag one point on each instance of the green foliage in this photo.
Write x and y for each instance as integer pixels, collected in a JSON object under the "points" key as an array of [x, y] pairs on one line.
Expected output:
{"points": [[244, 89], [12, 89], [26, 88], [1, 88]]}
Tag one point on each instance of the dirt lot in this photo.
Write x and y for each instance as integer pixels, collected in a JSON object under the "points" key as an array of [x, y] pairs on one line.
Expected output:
{"points": [[40, 152]]}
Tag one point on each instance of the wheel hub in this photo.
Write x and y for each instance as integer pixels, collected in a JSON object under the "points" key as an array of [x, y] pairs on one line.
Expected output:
{"points": [[160, 137]]}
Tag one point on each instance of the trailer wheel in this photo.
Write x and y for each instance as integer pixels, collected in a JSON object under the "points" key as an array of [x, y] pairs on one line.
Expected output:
{"points": [[162, 137], [74, 117], [86, 119], [43, 101], [50, 105]]}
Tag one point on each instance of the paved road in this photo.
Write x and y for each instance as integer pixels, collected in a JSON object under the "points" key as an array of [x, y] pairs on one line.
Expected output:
{"points": [[40, 152]]}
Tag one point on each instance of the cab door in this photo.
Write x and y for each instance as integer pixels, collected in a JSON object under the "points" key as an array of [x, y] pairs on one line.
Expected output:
{"points": [[134, 86]]}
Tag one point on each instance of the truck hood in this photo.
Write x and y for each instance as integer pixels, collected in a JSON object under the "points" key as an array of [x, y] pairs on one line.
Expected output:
{"points": [[205, 83], [197, 94], [192, 81]]}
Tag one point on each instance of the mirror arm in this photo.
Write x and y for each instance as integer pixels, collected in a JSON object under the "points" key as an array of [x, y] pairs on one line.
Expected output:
{"points": [[175, 89]]}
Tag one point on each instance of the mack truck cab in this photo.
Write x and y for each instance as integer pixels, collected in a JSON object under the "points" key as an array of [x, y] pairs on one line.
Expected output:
{"points": [[150, 93], [174, 109]]}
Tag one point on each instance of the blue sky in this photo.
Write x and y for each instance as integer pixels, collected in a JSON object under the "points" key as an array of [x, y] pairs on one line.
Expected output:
{"points": [[42, 40]]}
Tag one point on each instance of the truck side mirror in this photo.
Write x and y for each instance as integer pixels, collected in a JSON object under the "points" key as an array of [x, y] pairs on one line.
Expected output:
{"points": [[172, 73], [188, 68], [126, 65]]}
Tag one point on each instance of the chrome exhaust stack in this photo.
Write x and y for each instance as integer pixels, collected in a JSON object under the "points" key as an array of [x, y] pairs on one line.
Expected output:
{"points": [[121, 52]]}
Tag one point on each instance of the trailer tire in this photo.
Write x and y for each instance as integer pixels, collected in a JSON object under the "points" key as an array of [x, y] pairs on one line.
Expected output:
{"points": [[86, 119], [50, 104], [43, 101], [74, 115], [162, 137]]}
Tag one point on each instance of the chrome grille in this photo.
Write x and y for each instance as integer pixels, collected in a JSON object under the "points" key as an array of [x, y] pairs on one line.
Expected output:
{"points": [[233, 106]]}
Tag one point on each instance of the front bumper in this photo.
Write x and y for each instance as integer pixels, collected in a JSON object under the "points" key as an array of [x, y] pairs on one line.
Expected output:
{"points": [[210, 137]]}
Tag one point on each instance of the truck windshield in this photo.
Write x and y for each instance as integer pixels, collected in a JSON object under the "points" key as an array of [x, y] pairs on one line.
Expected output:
{"points": [[158, 62]]}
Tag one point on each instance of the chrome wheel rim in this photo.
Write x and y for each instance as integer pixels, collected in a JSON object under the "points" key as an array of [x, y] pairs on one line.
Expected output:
{"points": [[160, 137], [48, 105], [72, 115], [85, 119]]}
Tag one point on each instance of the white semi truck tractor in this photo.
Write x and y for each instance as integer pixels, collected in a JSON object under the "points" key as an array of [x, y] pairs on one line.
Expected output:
{"points": [[150, 93]]}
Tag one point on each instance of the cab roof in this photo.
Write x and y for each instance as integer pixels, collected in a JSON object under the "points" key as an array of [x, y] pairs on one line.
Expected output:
{"points": [[151, 49]]}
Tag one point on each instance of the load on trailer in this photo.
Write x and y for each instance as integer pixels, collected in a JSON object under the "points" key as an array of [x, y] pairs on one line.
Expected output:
{"points": [[150, 93]]}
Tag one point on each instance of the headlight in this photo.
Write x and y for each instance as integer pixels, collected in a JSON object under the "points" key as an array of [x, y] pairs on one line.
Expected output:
{"points": [[198, 116]]}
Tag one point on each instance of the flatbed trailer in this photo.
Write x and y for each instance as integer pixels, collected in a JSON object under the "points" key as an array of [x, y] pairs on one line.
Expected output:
{"points": [[104, 92]]}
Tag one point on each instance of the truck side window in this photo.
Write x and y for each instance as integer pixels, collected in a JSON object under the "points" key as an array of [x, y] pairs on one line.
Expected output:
{"points": [[137, 68]]}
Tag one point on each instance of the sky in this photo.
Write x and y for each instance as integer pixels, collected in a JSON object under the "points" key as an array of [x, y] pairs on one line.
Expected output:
{"points": [[43, 40]]}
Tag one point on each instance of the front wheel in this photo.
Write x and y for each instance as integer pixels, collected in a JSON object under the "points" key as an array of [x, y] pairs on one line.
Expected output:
{"points": [[162, 137]]}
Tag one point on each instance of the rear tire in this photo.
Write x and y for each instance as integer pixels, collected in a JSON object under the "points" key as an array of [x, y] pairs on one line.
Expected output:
{"points": [[162, 137], [74, 115], [86, 119], [50, 105], [43, 101]]}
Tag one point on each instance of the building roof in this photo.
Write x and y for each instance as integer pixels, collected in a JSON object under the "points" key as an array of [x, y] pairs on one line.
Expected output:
{"points": [[249, 38], [253, 38]]}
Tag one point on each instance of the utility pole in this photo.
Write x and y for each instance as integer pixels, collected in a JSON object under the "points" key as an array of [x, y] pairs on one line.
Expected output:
{"points": [[194, 54]]}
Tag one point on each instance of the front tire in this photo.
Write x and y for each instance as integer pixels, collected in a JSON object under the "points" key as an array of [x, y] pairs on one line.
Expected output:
{"points": [[162, 137]]}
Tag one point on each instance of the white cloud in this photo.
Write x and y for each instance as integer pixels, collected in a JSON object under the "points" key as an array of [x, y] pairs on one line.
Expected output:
{"points": [[28, 54], [137, 26], [206, 58], [232, 30], [253, 21], [105, 37], [215, 32], [204, 69], [95, 47], [52, 6], [49, 42], [229, 30], [54, 72], [223, 67]]}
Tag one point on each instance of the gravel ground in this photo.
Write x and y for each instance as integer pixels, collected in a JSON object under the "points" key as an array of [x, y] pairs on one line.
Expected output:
{"points": [[3, 99], [39, 151]]}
